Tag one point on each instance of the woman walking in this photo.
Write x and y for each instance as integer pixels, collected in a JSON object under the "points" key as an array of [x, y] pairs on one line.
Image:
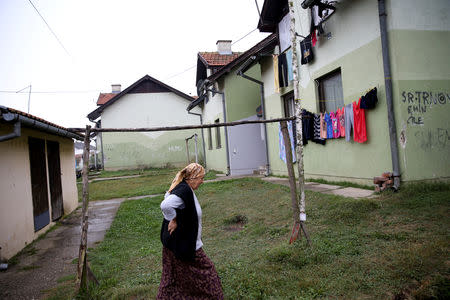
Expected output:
{"points": [[187, 272]]}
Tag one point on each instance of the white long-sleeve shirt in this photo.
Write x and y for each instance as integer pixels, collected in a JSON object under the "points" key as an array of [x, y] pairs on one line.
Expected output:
{"points": [[171, 202]]}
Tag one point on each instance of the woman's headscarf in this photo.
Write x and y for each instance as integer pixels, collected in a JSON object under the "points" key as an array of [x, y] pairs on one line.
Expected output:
{"points": [[191, 171]]}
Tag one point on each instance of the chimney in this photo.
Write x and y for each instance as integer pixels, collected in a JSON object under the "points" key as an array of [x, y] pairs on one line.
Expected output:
{"points": [[116, 88], [224, 46]]}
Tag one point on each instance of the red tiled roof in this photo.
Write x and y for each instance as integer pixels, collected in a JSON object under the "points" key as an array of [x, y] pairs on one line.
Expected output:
{"points": [[216, 59], [105, 97]]}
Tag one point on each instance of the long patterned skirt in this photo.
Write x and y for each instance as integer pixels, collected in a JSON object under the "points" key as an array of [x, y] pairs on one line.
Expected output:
{"points": [[196, 279]]}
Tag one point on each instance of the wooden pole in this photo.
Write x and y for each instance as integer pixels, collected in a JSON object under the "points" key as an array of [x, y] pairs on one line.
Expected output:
{"points": [[290, 169], [82, 266], [187, 151], [299, 121], [292, 185], [173, 128]]}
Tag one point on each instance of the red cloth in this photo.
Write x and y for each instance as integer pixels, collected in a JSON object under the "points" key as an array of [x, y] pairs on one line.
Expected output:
{"points": [[359, 117], [314, 38]]}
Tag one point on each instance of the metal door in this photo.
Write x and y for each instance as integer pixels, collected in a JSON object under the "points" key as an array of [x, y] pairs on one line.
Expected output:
{"points": [[247, 148], [54, 174], [39, 188]]}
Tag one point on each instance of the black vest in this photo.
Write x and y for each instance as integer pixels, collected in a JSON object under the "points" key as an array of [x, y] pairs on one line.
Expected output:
{"points": [[183, 240]]}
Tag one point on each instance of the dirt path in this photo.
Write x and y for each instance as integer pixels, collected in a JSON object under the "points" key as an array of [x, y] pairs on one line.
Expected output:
{"points": [[51, 258]]}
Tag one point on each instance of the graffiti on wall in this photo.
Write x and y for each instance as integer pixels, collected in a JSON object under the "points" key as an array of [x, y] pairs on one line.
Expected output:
{"points": [[418, 103], [433, 138]]}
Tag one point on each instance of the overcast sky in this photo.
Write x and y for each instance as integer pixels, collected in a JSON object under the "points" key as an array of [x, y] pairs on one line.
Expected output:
{"points": [[102, 42]]}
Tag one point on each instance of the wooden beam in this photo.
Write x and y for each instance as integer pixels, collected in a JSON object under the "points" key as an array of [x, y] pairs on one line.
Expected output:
{"points": [[173, 128]]}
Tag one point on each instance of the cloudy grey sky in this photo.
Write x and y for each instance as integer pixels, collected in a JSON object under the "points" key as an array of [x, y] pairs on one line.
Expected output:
{"points": [[101, 42]]}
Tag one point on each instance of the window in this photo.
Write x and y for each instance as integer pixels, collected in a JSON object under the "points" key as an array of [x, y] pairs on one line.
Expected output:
{"points": [[218, 142], [330, 92], [289, 111], [209, 139], [288, 104]]}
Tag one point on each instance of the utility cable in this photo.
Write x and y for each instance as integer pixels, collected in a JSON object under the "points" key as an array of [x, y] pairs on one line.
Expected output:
{"points": [[49, 28], [190, 68], [47, 92]]}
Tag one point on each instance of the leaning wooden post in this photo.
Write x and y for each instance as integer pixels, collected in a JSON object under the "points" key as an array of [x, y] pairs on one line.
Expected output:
{"points": [[298, 115], [82, 261], [187, 151], [292, 185]]}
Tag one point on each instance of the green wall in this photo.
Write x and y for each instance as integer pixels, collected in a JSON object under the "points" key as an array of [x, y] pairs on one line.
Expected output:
{"points": [[216, 157], [419, 69], [420, 63], [137, 150], [242, 95]]}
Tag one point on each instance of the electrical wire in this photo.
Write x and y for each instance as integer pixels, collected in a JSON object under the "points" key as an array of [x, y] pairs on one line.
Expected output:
{"points": [[48, 92], [190, 68], [244, 36], [54, 34]]}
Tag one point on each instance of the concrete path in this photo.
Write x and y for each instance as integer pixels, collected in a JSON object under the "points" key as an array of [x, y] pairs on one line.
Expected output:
{"points": [[51, 258], [327, 188]]}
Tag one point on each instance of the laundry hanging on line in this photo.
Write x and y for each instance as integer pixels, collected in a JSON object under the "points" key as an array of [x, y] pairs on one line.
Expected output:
{"points": [[282, 147]]}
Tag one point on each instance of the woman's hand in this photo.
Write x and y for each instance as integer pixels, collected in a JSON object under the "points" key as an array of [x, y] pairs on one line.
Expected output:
{"points": [[172, 225]]}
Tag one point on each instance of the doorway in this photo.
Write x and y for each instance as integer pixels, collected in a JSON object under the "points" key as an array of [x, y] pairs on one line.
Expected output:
{"points": [[54, 174], [39, 188]]}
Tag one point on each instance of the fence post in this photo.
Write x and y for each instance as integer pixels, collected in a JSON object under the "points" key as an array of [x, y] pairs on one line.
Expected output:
{"points": [[81, 270]]}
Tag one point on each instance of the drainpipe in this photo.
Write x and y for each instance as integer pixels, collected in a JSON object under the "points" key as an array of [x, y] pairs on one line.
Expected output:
{"points": [[214, 91], [203, 136], [240, 73], [389, 101], [12, 135]]}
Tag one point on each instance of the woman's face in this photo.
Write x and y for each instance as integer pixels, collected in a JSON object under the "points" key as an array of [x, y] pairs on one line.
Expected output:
{"points": [[195, 182]]}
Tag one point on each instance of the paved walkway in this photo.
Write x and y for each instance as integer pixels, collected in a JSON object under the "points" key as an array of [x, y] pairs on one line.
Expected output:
{"points": [[327, 188], [311, 186], [51, 258]]}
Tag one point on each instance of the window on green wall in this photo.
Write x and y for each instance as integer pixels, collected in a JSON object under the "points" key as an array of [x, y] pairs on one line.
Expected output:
{"points": [[289, 111], [331, 96], [209, 139], [218, 141]]}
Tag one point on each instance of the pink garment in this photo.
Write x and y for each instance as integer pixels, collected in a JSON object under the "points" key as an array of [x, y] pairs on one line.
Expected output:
{"points": [[314, 38], [341, 117], [323, 127], [335, 125]]}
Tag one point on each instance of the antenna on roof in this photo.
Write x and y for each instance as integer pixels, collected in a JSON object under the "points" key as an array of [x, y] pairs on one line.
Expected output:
{"points": [[29, 95]]}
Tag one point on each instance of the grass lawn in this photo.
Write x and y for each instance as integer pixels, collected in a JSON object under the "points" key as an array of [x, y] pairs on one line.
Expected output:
{"points": [[396, 245], [151, 181]]}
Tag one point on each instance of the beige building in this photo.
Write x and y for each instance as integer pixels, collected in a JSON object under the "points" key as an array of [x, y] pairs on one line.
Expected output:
{"points": [[38, 184]]}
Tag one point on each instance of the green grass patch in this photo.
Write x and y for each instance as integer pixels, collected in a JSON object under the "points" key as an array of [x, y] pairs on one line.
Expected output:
{"points": [[70, 277], [119, 173], [396, 245], [153, 181]]}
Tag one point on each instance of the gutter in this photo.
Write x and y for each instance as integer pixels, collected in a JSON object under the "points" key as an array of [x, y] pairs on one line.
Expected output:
{"points": [[29, 122], [203, 137], [240, 72], [389, 98]]}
